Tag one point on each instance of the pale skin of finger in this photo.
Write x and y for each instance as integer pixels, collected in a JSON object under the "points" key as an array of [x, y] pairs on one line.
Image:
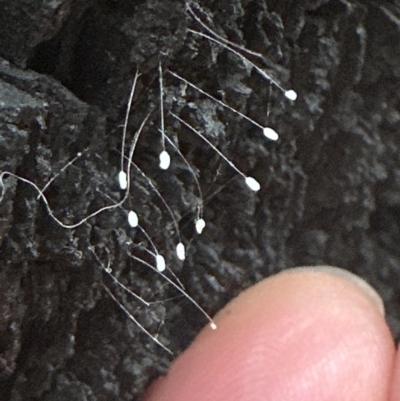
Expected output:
{"points": [[395, 393], [309, 336]]}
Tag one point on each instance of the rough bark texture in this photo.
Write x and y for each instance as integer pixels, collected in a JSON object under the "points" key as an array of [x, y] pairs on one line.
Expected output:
{"points": [[330, 186]]}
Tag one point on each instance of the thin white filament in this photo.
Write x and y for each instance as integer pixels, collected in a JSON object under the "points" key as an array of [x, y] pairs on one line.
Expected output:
{"points": [[102, 209], [128, 110], [246, 60], [116, 281], [136, 321], [181, 290], [78, 155], [155, 252], [200, 207], [161, 83], [164, 202], [170, 271], [217, 100], [252, 181], [221, 38]]}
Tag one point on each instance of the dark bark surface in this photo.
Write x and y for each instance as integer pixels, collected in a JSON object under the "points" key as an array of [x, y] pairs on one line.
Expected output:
{"points": [[330, 186]]}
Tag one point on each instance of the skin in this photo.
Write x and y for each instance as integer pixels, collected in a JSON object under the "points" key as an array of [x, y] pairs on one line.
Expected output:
{"points": [[300, 335]]}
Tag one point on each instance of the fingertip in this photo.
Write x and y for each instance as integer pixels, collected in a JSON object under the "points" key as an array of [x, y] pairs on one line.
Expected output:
{"points": [[348, 276], [309, 335], [395, 391], [154, 391]]}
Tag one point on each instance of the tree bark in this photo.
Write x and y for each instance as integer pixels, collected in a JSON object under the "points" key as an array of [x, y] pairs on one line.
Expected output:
{"points": [[330, 186]]}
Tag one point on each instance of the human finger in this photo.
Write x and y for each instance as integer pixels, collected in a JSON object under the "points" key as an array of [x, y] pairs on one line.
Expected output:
{"points": [[305, 335]]}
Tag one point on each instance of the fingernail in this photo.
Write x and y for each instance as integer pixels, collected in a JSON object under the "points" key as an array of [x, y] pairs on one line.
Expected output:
{"points": [[346, 275]]}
